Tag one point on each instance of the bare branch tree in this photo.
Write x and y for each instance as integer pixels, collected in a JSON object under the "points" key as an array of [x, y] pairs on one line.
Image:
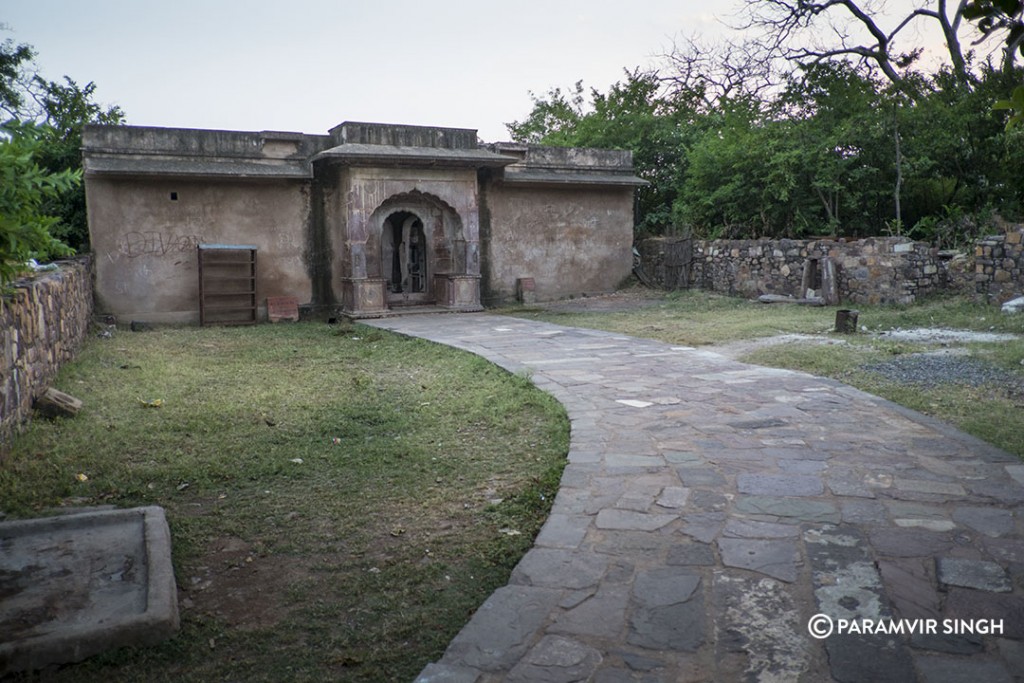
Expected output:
{"points": [[714, 72], [808, 31]]}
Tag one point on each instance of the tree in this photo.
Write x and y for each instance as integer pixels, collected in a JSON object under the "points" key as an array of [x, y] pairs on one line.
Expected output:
{"points": [[25, 187], [67, 108], [631, 115], [808, 31], [552, 120], [703, 74], [1003, 17], [13, 59]]}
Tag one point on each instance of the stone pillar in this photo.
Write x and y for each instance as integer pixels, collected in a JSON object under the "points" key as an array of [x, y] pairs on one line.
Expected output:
{"points": [[458, 292], [363, 297]]}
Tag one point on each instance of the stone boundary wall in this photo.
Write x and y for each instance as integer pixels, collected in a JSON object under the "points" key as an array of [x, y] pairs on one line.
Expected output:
{"points": [[886, 270], [869, 271], [999, 266], [42, 326]]}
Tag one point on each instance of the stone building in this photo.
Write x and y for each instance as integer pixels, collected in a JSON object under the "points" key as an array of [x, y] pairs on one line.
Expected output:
{"points": [[366, 220]]}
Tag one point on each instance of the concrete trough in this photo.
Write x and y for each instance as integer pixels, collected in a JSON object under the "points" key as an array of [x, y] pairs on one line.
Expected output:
{"points": [[75, 585]]}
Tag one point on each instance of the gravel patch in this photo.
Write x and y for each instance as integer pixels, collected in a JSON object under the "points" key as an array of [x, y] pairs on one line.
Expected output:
{"points": [[931, 369], [929, 335]]}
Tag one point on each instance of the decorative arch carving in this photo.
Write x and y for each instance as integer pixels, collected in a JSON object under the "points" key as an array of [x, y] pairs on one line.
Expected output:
{"points": [[442, 227]]}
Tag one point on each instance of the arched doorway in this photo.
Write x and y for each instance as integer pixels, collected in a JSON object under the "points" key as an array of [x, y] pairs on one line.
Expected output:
{"points": [[404, 262]]}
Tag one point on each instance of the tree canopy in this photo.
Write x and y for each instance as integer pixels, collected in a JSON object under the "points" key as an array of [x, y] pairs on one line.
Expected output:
{"points": [[25, 229], [42, 212], [788, 136]]}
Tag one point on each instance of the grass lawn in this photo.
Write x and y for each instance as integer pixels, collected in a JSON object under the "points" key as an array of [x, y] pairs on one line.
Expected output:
{"points": [[340, 499], [696, 318]]}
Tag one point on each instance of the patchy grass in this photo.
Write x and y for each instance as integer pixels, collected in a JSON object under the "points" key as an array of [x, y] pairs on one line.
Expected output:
{"points": [[340, 499], [697, 318], [692, 318], [991, 413]]}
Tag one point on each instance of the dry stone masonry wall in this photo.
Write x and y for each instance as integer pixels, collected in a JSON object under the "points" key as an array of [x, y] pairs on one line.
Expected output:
{"points": [[999, 266], [42, 326], [870, 271], [881, 270]]}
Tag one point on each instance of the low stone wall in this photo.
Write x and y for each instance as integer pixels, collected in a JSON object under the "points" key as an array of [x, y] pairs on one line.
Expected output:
{"points": [[869, 271], [42, 326], [999, 266]]}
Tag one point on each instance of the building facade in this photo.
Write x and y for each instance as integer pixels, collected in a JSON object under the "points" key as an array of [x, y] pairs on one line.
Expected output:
{"points": [[368, 220]]}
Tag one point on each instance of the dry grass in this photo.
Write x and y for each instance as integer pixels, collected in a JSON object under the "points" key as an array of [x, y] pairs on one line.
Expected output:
{"points": [[336, 497]]}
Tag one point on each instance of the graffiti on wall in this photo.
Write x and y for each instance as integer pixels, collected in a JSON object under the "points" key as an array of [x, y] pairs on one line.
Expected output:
{"points": [[153, 243]]}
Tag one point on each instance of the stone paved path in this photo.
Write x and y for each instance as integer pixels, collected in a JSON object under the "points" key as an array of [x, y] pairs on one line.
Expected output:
{"points": [[710, 509]]}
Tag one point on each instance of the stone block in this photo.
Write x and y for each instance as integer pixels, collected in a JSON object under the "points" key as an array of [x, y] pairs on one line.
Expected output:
{"points": [[282, 308]]}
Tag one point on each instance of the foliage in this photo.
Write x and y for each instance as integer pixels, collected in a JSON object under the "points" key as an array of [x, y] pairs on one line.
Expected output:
{"points": [[850, 138], [13, 59], [25, 228], [65, 107], [1015, 103], [836, 150], [631, 116]]}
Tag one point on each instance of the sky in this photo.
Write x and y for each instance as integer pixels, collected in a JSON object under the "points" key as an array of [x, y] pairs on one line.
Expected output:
{"points": [[308, 65]]}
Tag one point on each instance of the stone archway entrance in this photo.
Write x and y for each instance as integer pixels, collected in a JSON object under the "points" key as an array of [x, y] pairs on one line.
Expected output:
{"points": [[404, 259], [413, 251]]}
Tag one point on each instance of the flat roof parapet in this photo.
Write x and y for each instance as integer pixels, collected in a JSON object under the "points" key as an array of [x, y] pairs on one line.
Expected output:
{"points": [[154, 151], [191, 142], [567, 157], [354, 132], [541, 165]]}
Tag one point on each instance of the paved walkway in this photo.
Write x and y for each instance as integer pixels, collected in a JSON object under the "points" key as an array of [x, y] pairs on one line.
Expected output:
{"points": [[711, 509]]}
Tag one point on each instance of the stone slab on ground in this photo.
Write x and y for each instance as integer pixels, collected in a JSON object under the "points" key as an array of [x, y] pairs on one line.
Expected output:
{"points": [[76, 585]]}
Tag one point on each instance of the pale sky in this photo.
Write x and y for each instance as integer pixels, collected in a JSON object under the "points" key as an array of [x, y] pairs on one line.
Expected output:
{"points": [[307, 65]]}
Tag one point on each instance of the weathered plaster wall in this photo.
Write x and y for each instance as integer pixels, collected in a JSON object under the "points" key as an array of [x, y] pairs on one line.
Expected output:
{"points": [[42, 326], [571, 241], [146, 241], [314, 206]]}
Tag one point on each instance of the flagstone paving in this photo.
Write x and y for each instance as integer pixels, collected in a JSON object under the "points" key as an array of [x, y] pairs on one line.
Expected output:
{"points": [[710, 510]]}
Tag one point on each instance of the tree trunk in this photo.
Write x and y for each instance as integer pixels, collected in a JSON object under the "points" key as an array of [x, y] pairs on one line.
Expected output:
{"points": [[899, 170]]}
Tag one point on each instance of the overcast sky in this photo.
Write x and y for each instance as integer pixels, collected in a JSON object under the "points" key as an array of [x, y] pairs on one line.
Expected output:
{"points": [[307, 65]]}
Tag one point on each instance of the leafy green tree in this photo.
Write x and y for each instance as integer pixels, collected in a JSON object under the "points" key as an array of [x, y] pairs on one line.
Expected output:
{"points": [[631, 115], [1005, 17], [13, 60], [25, 228], [67, 108]]}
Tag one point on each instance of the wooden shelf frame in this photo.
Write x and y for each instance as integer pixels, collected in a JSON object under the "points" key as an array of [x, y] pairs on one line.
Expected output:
{"points": [[227, 284]]}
